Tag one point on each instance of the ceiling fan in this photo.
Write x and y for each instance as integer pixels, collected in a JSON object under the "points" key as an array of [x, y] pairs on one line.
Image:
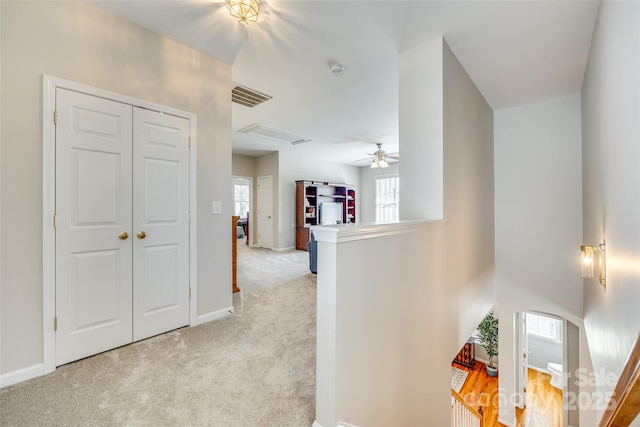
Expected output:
{"points": [[379, 157]]}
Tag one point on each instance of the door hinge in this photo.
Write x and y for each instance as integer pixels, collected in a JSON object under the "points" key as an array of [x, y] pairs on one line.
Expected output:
{"points": [[55, 220], [189, 293], [55, 323], [189, 142], [55, 117]]}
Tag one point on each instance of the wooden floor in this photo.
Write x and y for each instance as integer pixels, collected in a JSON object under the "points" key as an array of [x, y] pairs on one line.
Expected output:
{"points": [[544, 402]]}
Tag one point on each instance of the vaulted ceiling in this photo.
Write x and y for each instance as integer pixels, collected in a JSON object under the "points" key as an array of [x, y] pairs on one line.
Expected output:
{"points": [[517, 52]]}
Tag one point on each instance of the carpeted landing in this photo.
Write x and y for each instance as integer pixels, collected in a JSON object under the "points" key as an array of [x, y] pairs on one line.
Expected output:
{"points": [[254, 368]]}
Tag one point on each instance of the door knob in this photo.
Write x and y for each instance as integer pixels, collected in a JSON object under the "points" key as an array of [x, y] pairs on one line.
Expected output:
{"points": [[123, 235], [141, 235]]}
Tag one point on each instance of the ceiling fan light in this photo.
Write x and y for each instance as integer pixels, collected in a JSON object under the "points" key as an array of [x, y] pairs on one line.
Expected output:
{"points": [[244, 10], [383, 163]]}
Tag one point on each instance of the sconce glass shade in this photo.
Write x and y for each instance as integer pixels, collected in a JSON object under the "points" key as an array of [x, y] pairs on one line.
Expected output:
{"points": [[587, 260], [244, 10]]}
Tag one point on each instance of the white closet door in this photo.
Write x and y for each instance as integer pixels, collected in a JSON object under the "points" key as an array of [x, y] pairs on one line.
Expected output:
{"points": [[93, 206], [160, 223]]}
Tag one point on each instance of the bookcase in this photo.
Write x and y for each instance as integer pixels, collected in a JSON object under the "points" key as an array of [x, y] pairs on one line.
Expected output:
{"points": [[310, 196]]}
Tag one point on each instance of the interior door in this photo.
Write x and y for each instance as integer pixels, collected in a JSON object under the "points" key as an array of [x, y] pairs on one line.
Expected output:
{"points": [[265, 212], [93, 208], [523, 374], [160, 223], [122, 233]]}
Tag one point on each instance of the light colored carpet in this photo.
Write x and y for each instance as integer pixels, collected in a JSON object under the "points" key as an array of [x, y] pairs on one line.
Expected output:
{"points": [[458, 377], [255, 368]]}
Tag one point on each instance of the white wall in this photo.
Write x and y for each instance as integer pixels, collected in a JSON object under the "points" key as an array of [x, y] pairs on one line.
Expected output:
{"points": [[367, 189], [542, 352], [420, 111], [243, 165], [611, 183], [295, 167], [79, 42], [538, 211], [394, 310], [539, 206]]}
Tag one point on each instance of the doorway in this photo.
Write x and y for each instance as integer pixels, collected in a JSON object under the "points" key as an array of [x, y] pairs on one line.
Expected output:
{"points": [[119, 235], [541, 340], [242, 206]]}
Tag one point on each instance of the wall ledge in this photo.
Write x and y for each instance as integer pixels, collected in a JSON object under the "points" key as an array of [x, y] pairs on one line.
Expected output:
{"points": [[351, 232]]}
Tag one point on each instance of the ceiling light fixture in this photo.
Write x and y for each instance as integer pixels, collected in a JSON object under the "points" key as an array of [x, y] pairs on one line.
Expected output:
{"points": [[379, 162], [338, 69], [244, 10]]}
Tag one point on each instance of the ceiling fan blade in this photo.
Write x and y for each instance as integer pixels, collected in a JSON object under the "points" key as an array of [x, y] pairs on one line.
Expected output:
{"points": [[393, 157], [362, 160]]}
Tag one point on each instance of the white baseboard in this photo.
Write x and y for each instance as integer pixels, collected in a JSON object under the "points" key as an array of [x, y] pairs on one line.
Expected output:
{"points": [[535, 368], [214, 315], [20, 375], [316, 424], [506, 423], [287, 249]]}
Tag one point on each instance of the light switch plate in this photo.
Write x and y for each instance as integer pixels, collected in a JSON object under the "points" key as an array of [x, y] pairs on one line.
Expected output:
{"points": [[217, 208]]}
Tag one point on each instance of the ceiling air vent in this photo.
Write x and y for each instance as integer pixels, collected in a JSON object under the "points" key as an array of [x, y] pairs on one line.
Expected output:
{"points": [[276, 134], [248, 97]]}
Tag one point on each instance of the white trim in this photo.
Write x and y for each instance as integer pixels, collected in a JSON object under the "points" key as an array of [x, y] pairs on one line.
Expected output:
{"points": [[49, 85], [351, 232], [486, 362], [287, 249], [193, 225], [20, 375], [214, 315], [48, 231], [316, 424], [502, 421], [535, 368]]}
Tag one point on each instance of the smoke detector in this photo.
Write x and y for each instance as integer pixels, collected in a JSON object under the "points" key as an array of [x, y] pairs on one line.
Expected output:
{"points": [[338, 69]]}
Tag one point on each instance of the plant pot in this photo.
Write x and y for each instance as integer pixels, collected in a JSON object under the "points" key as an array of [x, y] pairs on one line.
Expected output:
{"points": [[493, 372]]}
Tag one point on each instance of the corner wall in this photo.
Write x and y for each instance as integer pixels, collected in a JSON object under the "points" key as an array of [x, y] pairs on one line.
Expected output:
{"points": [[538, 208], [611, 184], [397, 301], [77, 41]]}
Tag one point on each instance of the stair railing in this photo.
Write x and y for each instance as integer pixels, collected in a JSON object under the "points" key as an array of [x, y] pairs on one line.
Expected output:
{"points": [[463, 414], [624, 405]]}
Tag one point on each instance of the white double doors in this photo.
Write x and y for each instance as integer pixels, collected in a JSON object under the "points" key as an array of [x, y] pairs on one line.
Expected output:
{"points": [[122, 232]]}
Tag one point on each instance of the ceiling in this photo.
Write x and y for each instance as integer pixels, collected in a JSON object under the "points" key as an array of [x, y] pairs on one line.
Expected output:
{"points": [[516, 52]]}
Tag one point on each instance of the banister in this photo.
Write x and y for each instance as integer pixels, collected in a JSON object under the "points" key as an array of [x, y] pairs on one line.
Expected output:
{"points": [[624, 404], [478, 413]]}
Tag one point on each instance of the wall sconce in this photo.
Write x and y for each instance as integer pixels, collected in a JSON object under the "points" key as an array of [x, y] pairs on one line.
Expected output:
{"points": [[587, 262]]}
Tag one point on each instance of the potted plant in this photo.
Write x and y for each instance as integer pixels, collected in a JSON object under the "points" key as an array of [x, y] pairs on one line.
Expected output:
{"points": [[488, 334]]}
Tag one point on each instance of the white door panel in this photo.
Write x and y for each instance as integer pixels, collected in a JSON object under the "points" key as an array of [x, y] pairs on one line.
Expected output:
{"points": [[161, 211], [265, 212], [119, 169], [93, 206]]}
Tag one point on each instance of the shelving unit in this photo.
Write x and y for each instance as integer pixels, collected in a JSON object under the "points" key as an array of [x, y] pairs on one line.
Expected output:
{"points": [[309, 198]]}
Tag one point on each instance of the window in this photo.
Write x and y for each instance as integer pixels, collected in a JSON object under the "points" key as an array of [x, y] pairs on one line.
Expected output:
{"points": [[241, 197], [387, 198], [545, 327]]}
